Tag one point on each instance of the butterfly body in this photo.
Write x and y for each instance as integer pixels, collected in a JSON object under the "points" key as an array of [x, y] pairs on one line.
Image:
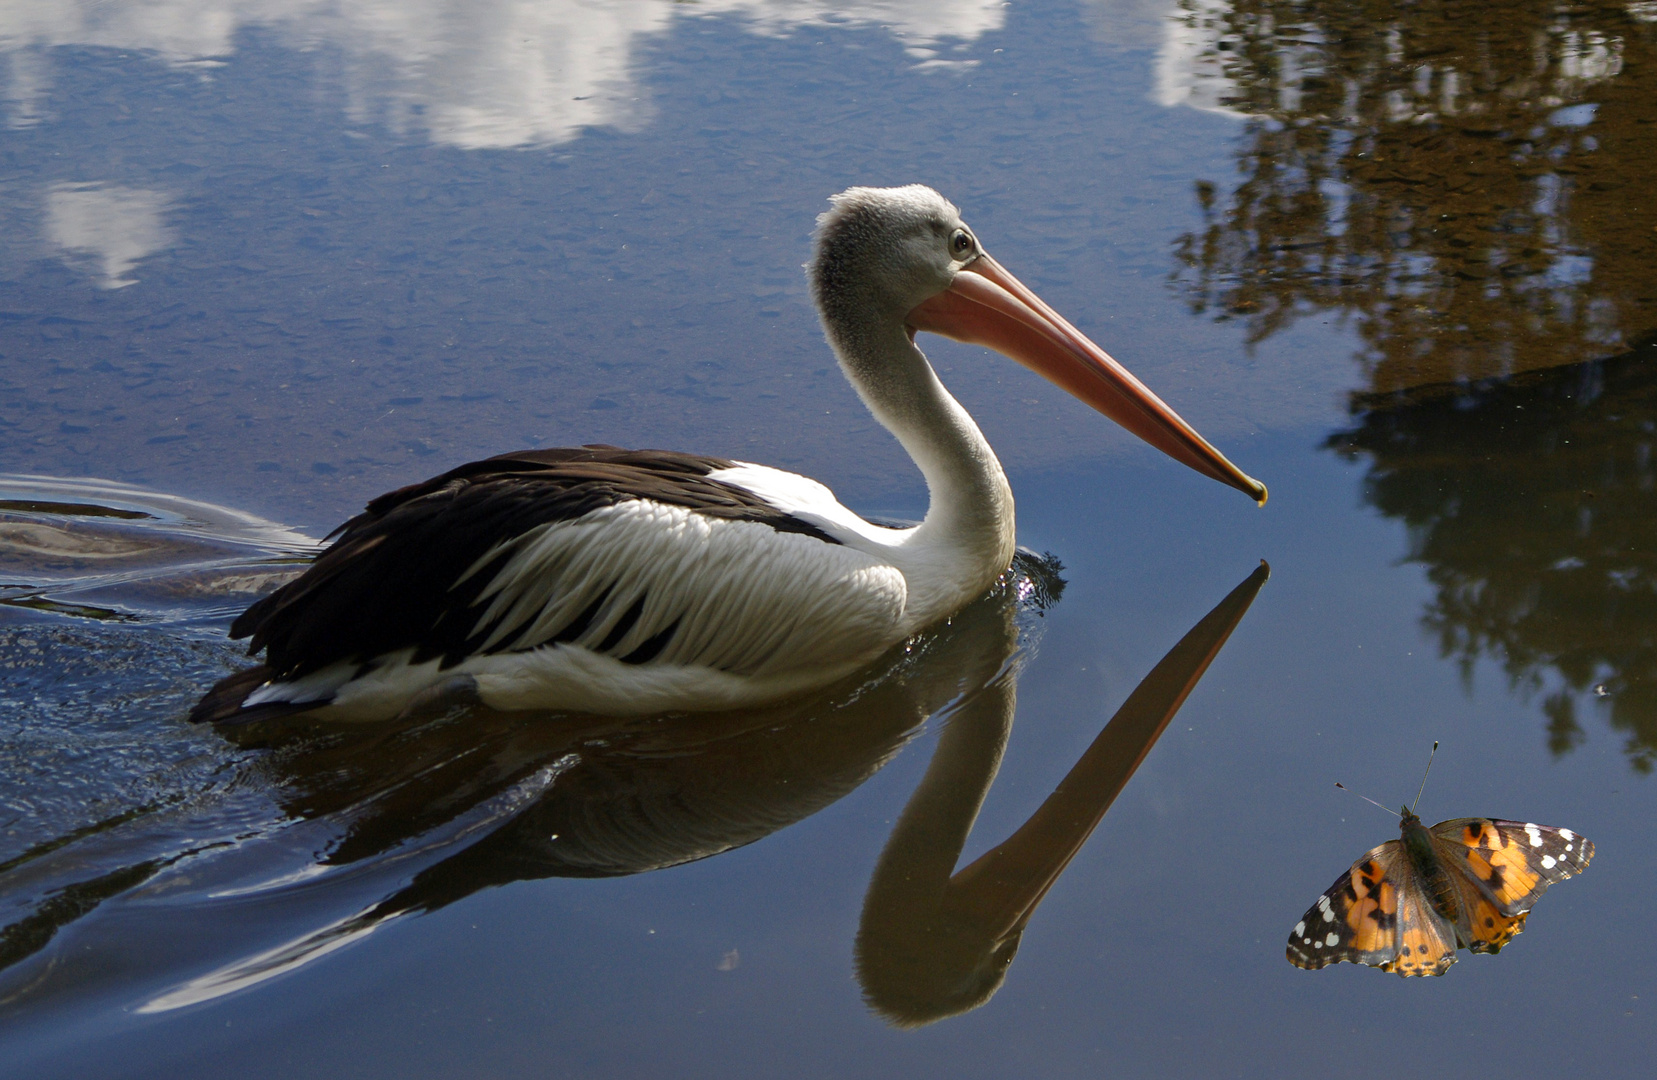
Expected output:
{"points": [[1430, 871], [1409, 904]]}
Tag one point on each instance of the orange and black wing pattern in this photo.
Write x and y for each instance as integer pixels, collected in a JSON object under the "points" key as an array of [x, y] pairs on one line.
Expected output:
{"points": [[1481, 926], [1511, 862], [1426, 939], [1379, 912], [1356, 919]]}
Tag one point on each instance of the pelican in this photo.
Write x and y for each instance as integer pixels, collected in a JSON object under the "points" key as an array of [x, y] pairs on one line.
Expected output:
{"points": [[610, 581]]}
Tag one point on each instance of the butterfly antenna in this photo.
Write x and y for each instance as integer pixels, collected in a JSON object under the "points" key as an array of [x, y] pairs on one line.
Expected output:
{"points": [[1424, 773], [1365, 798]]}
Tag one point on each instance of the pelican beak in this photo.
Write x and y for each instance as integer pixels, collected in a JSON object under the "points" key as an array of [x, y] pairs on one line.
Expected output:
{"points": [[985, 305]]}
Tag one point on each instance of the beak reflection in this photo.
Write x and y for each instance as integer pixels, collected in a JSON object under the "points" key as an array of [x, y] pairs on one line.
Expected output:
{"points": [[934, 942]]}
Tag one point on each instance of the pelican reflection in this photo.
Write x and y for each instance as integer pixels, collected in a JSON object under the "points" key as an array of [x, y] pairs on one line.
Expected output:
{"points": [[557, 797], [935, 942], [341, 828], [304, 837]]}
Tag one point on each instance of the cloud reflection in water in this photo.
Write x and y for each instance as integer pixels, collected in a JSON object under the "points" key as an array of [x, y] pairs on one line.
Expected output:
{"points": [[475, 75], [111, 227]]}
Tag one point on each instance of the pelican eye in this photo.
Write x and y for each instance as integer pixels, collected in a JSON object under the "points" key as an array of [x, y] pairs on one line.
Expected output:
{"points": [[961, 244]]}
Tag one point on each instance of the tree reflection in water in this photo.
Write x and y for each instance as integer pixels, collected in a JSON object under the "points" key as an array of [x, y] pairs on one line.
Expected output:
{"points": [[1532, 504], [1467, 180]]}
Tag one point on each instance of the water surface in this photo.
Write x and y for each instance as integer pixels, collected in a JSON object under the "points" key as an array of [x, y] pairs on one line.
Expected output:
{"points": [[260, 262]]}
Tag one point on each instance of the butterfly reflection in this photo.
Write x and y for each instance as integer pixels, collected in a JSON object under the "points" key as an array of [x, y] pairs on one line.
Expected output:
{"points": [[315, 836], [1407, 905]]}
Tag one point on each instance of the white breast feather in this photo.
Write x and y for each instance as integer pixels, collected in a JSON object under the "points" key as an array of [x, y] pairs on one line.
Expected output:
{"points": [[747, 598]]}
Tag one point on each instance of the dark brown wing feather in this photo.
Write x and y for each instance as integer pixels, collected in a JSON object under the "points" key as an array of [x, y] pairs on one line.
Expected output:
{"points": [[388, 581]]}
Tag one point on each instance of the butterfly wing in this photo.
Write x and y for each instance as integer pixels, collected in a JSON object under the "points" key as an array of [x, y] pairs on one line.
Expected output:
{"points": [[1480, 925], [1511, 863], [1426, 939], [1356, 918]]}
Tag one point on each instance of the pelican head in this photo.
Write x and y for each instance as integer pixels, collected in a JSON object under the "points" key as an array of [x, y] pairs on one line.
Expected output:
{"points": [[902, 258]]}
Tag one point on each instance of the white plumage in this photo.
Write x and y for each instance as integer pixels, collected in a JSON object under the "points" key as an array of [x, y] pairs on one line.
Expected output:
{"points": [[746, 599]]}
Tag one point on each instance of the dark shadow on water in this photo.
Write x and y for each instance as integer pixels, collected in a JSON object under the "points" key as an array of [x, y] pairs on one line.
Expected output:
{"points": [[1532, 504]]}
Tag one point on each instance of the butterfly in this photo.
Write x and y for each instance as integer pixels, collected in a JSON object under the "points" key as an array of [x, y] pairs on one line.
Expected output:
{"points": [[1407, 905]]}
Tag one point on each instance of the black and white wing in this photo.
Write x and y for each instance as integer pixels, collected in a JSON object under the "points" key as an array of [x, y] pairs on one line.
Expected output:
{"points": [[642, 556]]}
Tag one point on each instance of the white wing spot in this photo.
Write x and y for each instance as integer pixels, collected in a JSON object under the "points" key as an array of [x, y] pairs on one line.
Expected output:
{"points": [[1567, 834], [1332, 940], [1548, 862], [1535, 835], [1300, 928]]}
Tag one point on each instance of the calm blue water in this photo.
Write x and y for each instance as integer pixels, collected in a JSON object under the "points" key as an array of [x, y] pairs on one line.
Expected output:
{"points": [[259, 263]]}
